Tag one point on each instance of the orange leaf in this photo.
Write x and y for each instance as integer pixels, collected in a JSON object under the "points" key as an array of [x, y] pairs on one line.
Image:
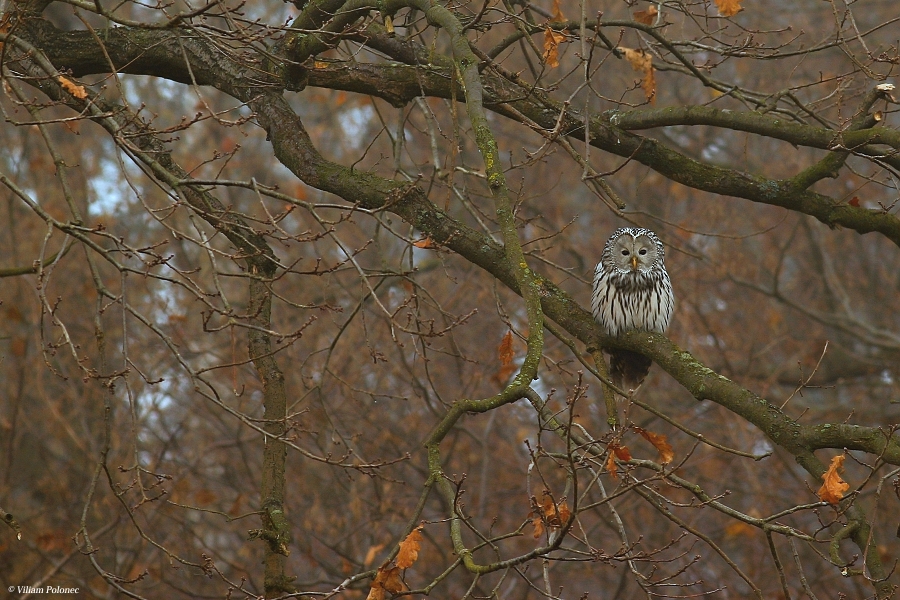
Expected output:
{"points": [[564, 513], [556, 514], [538, 524], [376, 593], [409, 548], [832, 491], [505, 349], [616, 451], [386, 580], [204, 497], [503, 373], [621, 452], [426, 242], [739, 528], [371, 554], [646, 16], [729, 8], [643, 63], [557, 17], [666, 454], [552, 40], [854, 201], [74, 89]]}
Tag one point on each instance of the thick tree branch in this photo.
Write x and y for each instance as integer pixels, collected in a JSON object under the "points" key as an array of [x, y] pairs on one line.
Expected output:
{"points": [[158, 53]]}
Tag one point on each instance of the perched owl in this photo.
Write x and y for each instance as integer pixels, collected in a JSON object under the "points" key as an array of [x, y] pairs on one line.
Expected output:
{"points": [[632, 291]]}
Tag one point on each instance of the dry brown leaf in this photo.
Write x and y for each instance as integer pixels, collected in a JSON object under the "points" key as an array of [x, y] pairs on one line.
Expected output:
{"points": [[666, 454], [621, 452], [646, 16], [616, 451], [643, 63], [425, 243], [538, 524], [739, 528], [564, 513], [203, 497], [501, 377], [392, 581], [556, 514], [409, 548], [729, 8], [611, 466], [76, 90], [505, 349], [558, 16], [386, 580], [552, 40], [371, 554], [375, 593], [832, 491]]}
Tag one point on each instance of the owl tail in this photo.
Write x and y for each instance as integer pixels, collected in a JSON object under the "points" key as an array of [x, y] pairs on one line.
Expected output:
{"points": [[627, 369]]}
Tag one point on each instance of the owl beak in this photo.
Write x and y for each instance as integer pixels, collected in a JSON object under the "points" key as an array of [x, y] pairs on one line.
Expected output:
{"points": [[634, 262]]}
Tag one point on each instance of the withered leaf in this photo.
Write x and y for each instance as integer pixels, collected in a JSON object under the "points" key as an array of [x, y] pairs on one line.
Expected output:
{"points": [[426, 242], [538, 524], [76, 90], [854, 201], [371, 554], [558, 16], [739, 529], [729, 8], [555, 513], [642, 62], [646, 16], [621, 452], [409, 548], [616, 451], [666, 454], [505, 349], [387, 579], [552, 40], [833, 488]]}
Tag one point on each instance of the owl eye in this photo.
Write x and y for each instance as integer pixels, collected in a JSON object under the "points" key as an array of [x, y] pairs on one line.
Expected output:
{"points": [[643, 251], [624, 252]]}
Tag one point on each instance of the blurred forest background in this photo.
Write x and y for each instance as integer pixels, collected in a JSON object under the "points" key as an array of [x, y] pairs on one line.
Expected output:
{"points": [[256, 255]]}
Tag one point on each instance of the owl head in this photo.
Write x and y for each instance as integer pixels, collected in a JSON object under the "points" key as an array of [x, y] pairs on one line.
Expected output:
{"points": [[633, 251]]}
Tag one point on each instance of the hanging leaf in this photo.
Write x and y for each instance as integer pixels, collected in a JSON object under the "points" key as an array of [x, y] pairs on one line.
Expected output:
{"points": [[729, 8], [555, 514], [552, 40], [666, 454], [386, 580], [646, 16], [505, 349], [642, 62], [76, 90], [833, 488], [426, 242], [616, 451], [558, 16], [409, 548], [371, 554], [538, 524], [611, 466]]}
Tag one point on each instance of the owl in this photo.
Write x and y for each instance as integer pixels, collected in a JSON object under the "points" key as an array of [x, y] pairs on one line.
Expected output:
{"points": [[632, 291]]}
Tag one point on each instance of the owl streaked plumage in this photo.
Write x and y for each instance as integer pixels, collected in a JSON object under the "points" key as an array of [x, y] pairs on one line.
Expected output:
{"points": [[632, 291]]}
